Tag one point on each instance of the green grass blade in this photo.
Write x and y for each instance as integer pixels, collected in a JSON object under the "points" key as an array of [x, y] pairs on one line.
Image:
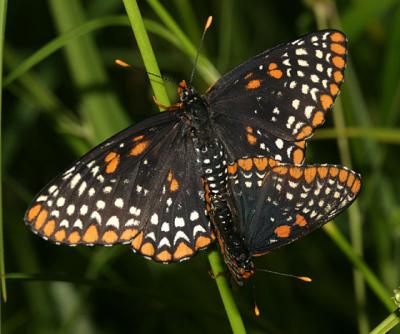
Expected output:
{"points": [[362, 13], [212, 74], [373, 282], [329, 18], [382, 135], [387, 324], [99, 108], [232, 311], [146, 50], [3, 13], [209, 75], [61, 41]]}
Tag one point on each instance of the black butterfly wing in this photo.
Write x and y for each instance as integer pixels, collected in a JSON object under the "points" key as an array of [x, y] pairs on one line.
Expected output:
{"points": [[272, 103], [279, 203], [124, 190]]}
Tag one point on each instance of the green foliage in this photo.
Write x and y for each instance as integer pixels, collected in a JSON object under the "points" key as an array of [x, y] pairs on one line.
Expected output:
{"points": [[63, 94]]}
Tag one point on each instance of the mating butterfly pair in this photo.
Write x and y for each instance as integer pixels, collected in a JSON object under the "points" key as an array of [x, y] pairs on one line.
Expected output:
{"points": [[225, 165]]}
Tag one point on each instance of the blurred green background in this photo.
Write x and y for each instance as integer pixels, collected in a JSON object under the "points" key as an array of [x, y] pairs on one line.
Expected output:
{"points": [[75, 97]]}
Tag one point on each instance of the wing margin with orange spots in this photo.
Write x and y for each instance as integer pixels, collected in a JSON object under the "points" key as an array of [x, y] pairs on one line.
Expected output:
{"points": [[277, 204]]}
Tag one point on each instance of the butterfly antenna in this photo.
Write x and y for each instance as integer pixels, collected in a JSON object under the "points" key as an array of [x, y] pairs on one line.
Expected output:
{"points": [[207, 25], [123, 63], [301, 278]]}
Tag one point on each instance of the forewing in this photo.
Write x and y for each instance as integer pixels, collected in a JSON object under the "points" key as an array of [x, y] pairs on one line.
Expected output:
{"points": [[286, 202], [112, 194], [272, 103]]}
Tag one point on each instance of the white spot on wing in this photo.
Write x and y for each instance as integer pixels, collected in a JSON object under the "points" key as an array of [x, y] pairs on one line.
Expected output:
{"points": [[113, 221], [179, 222]]}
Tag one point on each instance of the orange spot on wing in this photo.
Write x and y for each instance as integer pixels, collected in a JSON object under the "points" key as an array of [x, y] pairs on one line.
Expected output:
{"points": [[91, 235], [249, 129], [343, 174], [272, 162], [248, 75], [350, 180], [333, 171], [112, 165], [277, 74], [318, 118], [49, 228], [137, 241], [326, 101], [202, 242], [305, 132], [139, 148], [164, 256], [60, 235], [338, 48], [232, 169], [334, 89], [110, 156], [338, 61], [309, 174], [281, 170], [245, 164], [182, 251], [252, 140], [300, 220], [253, 84], [147, 249], [296, 172], [338, 76], [322, 172], [137, 138], [174, 186], [41, 219], [274, 71], [298, 156], [301, 144], [260, 163], [128, 234], [109, 237], [337, 37], [33, 212], [282, 231], [356, 186], [74, 237], [272, 66]]}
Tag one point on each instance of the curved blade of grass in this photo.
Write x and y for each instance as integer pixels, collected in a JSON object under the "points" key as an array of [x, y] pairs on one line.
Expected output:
{"points": [[188, 18], [3, 13], [211, 75], [138, 28], [61, 41], [373, 282]]}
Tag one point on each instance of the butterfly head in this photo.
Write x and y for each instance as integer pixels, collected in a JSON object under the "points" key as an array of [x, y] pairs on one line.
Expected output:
{"points": [[187, 94]]}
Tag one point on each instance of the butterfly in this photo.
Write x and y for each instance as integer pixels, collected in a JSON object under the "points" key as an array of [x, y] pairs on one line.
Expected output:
{"points": [[226, 165]]}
